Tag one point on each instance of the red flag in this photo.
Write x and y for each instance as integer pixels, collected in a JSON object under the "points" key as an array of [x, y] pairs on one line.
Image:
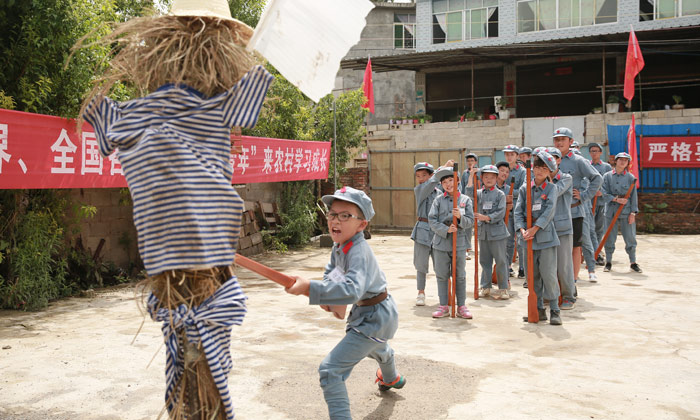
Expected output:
{"points": [[368, 88], [632, 147], [635, 64]]}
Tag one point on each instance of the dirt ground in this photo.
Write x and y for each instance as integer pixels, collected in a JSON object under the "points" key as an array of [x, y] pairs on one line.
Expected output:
{"points": [[629, 349]]}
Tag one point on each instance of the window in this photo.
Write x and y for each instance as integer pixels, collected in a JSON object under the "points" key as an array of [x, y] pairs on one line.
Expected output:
{"points": [[459, 20], [667, 9], [542, 15], [404, 31]]}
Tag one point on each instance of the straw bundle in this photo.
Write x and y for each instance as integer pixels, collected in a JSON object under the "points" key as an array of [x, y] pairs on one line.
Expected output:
{"points": [[205, 53], [197, 395]]}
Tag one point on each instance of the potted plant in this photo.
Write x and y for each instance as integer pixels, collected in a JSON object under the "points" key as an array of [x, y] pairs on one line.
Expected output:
{"points": [[428, 118], [470, 115], [598, 110], [613, 104], [677, 99], [416, 119]]}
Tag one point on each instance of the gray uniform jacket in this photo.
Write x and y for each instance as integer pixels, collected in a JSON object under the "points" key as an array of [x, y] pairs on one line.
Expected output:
{"points": [[579, 168], [602, 168], [353, 275], [463, 181], [440, 218], [425, 195], [562, 217], [492, 202], [544, 206], [616, 185], [520, 174]]}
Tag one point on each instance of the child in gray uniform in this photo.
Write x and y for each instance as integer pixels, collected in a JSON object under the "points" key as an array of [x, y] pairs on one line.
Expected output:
{"points": [[542, 234], [440, 219], [615, 185], [493, 234], [425, 192], [353, 277]]}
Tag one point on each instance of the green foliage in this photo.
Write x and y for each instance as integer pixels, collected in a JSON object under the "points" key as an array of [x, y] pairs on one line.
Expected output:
{"points": [[297, 212], [37, 274], [36, 42], [677, 99], [613, 99], [247, 11], [7, 102]]}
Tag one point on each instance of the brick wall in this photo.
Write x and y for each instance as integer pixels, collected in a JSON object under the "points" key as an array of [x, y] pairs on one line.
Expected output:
{"points": [[681, 216]]}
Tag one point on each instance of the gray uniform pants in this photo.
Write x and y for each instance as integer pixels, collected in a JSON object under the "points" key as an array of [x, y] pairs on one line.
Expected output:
{"points": [[442, 261], [421, 255], [629, 234], [588, 243], [545, 277], [338, 364], [491, 252], [510, 242], [601, 222], [565, 267]]}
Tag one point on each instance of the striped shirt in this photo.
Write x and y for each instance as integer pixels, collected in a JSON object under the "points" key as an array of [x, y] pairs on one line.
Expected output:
{"points": [[174, 148]]}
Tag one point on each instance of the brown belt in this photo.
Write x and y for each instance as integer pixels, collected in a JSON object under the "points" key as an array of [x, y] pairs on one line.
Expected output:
{"points": [[423, 219], [576, 205], [374, 300]]}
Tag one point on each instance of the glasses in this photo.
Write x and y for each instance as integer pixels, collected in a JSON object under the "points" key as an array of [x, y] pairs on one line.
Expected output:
{"points": [[343, 217]]}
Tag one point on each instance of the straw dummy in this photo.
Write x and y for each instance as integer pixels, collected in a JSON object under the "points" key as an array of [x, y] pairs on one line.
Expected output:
{"points": [[197, 82]]}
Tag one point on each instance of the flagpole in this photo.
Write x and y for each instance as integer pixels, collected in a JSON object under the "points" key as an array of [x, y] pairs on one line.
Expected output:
{"points": [[335, 147]]}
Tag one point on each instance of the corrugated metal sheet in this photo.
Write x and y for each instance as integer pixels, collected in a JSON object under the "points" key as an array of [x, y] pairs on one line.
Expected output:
{"points": [[659, 179]]}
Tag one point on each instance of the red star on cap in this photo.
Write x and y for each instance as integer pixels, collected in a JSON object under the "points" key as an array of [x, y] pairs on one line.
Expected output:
{"points": [[343, 190]]}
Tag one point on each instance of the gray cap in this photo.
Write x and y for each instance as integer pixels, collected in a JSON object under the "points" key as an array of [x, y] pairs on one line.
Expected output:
{"points": [[575, 144], [595, 145], [423, 165], [539, 149], [525, 149], [554, 152], [351, 195], [471, 155], [548, 160], [444, 171], [511, 148], [563, 131], [489, 169], [623, 155]]}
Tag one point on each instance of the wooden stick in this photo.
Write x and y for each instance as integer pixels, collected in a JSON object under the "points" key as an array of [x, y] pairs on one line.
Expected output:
{"points": [[614, 220], [532, 315], [476, 242], [595, 202], [264, 271], [455, 203]]}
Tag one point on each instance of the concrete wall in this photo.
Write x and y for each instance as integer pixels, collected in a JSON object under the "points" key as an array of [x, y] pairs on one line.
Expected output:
{"points": [[482, 134]]}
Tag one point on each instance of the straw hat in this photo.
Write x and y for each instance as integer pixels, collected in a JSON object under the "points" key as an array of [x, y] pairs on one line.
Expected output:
{"points": [[217, 9]]}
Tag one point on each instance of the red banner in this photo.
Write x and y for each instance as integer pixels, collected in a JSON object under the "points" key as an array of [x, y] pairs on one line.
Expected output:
{"points": [[670, 152], [41, 151]]}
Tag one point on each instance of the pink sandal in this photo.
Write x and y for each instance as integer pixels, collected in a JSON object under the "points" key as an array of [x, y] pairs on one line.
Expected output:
{"points": [[442, 311], [463, 312]]}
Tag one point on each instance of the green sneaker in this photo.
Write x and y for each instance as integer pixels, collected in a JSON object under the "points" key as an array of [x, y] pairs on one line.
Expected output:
{"points": [[398, 383]]}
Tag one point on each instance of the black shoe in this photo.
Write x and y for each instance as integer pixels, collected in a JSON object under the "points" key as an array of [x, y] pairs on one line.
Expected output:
{"points": [[521, 274], [542, 314], [608, 267], [525, 284], [511, 273], [636, 267], [600, 261], [554, 318]]}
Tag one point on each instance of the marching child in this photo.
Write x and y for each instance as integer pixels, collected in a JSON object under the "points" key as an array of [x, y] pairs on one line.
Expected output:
{"points": [[542, 234], [493, 233], [440, 219], [422, 236], [353, 277], [615, 186], [563, 226]]}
